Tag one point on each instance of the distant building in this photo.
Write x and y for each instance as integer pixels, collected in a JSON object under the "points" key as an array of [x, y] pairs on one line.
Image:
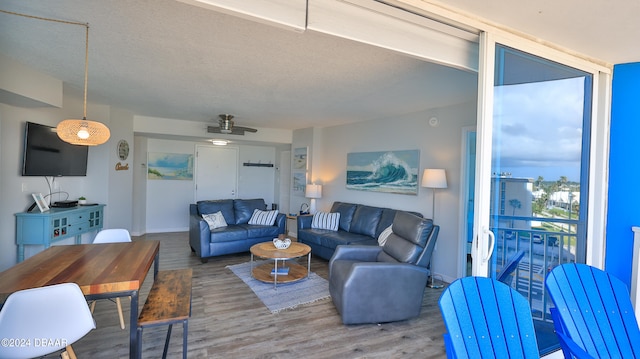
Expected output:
{"points": [[512, 197]]}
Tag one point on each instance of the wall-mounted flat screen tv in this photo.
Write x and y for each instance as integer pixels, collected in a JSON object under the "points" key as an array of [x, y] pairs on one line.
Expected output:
{"points": [[45, 154]]}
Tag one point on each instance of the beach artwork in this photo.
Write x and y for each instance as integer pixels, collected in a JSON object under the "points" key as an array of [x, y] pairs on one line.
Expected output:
{"points": [[169, 166], [390, 171]]}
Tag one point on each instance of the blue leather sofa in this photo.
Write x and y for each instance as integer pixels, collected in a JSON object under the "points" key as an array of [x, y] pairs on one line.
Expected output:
{"points": [[238, 236], [359, 224]]}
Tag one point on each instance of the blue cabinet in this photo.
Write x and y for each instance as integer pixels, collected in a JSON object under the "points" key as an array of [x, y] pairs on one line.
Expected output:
{"points": [[33, 228]]}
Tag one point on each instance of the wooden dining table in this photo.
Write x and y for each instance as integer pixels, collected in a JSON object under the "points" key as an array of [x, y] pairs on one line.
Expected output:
{"points": [[101, 270]]}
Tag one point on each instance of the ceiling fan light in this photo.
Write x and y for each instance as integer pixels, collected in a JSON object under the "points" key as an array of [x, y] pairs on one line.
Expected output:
{"points": [[219, 142], [225, 130]]}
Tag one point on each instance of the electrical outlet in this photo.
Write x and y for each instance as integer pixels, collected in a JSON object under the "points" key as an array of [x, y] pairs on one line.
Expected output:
{"points": [[24, 187]]}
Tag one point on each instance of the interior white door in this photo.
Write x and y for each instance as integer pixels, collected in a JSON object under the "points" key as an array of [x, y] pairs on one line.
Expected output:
{"points": [[216, 172]]}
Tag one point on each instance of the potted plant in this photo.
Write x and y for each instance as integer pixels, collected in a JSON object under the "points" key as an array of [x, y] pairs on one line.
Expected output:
{"points": [[82, 200]]}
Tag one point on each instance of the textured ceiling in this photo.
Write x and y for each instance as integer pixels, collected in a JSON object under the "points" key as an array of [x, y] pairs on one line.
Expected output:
{"points": [[164, 58]]}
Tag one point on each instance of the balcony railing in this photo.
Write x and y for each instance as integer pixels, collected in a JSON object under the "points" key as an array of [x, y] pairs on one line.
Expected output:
{"points": [[547, 245]]}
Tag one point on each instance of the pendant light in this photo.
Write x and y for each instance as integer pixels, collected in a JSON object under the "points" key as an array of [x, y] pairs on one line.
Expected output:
{"points": [[83, 132], [77, 132]]}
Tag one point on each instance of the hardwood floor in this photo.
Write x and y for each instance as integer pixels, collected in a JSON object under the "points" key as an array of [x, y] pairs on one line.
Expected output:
{"points": [[229, 321]]}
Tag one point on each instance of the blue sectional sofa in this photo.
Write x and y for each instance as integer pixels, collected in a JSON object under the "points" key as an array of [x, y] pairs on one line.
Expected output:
{"points": [[359, 224], [238, 236]]}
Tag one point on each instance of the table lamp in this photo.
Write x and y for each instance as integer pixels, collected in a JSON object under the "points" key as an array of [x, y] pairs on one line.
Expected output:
{"points": [[313, 191]]}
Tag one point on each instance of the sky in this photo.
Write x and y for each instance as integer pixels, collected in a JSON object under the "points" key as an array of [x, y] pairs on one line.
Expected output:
{"points": [[538, 129]]}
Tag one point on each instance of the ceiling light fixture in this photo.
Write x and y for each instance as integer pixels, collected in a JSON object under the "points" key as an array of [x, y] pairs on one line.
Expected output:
{"points": [[84, 132], [78, 132], [219, 142]]}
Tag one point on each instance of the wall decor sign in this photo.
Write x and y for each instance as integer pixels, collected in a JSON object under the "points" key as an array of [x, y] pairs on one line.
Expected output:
{"points": [[390, 171], [169, 166]]}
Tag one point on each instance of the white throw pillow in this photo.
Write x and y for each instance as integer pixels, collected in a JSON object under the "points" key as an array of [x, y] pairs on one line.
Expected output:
{"points": [[215, 220], [324, 220], [382, 238], [264, 218]]}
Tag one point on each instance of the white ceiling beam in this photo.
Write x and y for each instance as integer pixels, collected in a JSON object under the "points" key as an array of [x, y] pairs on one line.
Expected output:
{"points": [[392, 28], [290, 14]]}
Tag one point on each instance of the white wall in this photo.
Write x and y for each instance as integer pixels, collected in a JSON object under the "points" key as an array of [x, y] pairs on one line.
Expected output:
{"points": [[440, 147], [15, 192], [167, 206]]}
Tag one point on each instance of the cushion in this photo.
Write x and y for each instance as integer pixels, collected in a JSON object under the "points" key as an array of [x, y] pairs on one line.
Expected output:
{"points": [[263, 218], [346, 213], [324, 220], [384, 235], [244, 208], [215, 220], [365, 220], [223, 205]]}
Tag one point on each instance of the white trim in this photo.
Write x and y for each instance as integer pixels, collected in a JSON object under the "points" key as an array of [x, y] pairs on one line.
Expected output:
{"points": [[484, 137]]}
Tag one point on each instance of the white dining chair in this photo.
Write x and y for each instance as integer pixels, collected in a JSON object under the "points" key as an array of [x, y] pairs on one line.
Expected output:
{"points": [[39, 321], [114, 235]]}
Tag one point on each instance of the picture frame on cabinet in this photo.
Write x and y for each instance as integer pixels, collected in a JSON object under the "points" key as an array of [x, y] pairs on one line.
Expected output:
{"points": [[42, 204]]}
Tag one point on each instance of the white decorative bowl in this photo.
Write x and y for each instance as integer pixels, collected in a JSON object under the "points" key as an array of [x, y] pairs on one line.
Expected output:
{"points": [[281, 243]]}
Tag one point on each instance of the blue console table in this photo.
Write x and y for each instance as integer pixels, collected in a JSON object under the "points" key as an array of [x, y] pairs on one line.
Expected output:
{"points": [[56, 224]]}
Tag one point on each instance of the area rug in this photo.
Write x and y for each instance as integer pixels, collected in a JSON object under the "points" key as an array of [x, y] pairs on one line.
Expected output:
{"points": [[287, 295]]}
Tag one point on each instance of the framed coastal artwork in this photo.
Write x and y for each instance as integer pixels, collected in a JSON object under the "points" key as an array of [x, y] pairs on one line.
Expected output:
{"points": [[300, 159], [169, 166], [388, 171], [299, 183]]}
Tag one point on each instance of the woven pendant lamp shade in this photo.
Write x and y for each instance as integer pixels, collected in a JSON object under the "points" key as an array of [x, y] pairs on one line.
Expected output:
{"points": [[83, 132]]}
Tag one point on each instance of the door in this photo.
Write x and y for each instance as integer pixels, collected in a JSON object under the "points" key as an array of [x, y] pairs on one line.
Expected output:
{"points": [[533, 175], [216, 172]]}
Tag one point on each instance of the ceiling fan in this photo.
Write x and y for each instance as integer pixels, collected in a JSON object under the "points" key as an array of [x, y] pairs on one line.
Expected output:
{"points": [[227, 126]]}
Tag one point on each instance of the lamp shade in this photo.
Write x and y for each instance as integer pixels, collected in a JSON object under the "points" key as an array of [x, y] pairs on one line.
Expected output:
{"points": [[313, 191], [434, 178], [83, 132]]}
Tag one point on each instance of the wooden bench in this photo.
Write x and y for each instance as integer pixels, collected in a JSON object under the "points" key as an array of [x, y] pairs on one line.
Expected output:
{"points": [[168, 303]]}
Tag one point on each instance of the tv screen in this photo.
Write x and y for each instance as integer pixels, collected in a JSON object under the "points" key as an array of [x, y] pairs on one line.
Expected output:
{"points": [[45, 154]]}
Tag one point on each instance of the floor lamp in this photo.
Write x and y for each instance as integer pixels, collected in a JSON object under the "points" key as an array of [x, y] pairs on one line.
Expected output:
{"points": [[313, 191], [434, 178]]}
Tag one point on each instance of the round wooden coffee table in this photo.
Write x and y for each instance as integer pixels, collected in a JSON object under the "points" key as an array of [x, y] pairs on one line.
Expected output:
{"points": [[274, 272]]}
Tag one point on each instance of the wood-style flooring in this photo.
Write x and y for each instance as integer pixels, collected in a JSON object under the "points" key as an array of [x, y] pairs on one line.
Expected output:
{"points": [[229, 321]]}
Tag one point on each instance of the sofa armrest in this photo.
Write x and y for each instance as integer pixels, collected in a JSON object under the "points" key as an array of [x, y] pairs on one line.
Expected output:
{"points": [[304, 221], [281, 223], [199, 235]]}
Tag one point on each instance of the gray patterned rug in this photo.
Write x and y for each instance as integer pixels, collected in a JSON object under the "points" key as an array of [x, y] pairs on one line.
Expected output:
{"points": [[287, 296]]}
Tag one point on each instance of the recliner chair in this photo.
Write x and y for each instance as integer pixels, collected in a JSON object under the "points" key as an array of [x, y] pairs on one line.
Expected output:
{"points": [[373, 284]]}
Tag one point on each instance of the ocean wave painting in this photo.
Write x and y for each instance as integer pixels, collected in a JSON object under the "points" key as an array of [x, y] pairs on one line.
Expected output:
{"points": [[391, 172]]}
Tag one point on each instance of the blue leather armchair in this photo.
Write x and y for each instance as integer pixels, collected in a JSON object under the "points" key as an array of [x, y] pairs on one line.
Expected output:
{"points": [[373, 284]]}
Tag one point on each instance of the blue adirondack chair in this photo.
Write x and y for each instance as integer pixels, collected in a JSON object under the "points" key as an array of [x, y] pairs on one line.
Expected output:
{"points": [[486, 318], [593, 313], [505, 274]]}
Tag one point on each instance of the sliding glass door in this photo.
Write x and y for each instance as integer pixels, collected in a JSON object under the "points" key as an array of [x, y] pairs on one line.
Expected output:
{"points": [[536, 202]]}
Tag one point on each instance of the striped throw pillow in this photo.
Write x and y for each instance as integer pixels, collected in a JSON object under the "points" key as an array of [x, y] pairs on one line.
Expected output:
{"points": [[324, 220], [263, 218]]}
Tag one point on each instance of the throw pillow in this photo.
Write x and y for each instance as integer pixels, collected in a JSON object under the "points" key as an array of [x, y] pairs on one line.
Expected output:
{"points": [[324, 220], [264, 218], [215, 220], [382, 238]]}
